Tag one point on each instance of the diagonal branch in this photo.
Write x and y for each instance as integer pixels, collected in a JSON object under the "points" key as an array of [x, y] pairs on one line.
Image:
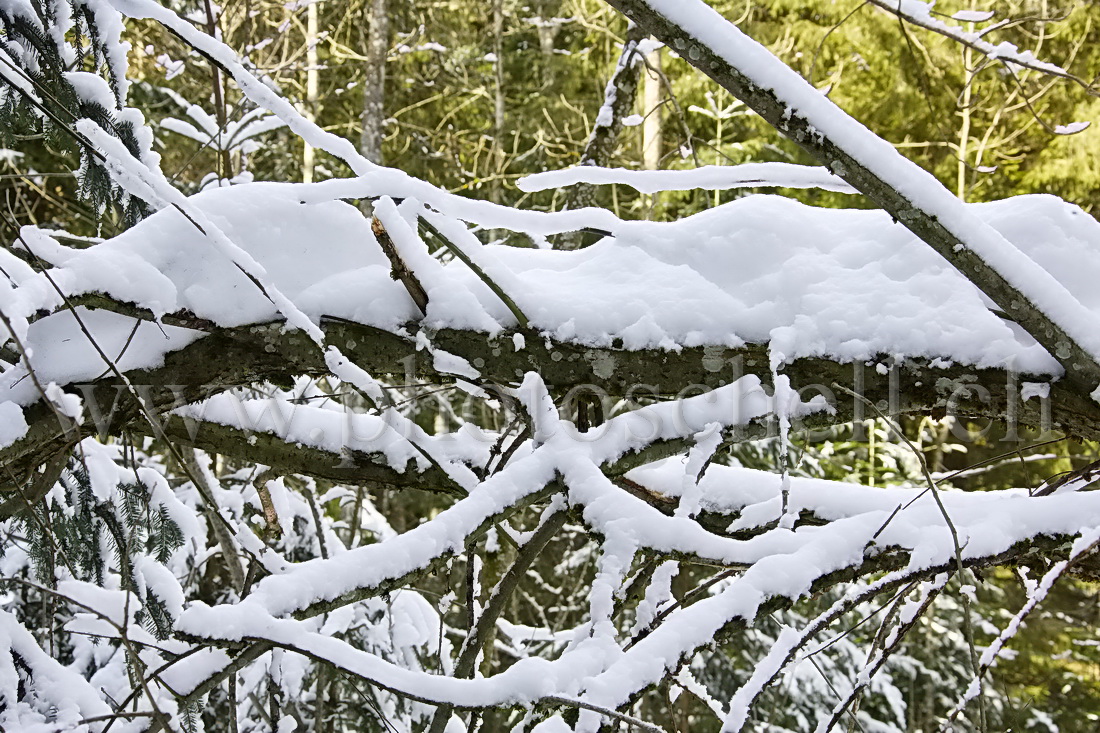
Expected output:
{"points": [[399, 270], [1031, 296], [350, 467]]}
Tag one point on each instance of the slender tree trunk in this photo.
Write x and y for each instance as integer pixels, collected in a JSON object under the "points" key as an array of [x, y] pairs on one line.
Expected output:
{"points": [[320, 724], [652, 126], [374, 82], [308, 155], [224, 163], [620, 96], [964, 130], [498, 100], [651, 104]]}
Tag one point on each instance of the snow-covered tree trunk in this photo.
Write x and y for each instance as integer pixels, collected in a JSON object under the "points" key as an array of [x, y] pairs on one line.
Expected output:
{"points": [[620, 97]]}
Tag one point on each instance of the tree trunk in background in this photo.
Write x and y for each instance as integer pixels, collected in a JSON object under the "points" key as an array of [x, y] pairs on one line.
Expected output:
{"points": [[498, 102], [224, 162], [374, 82], [966, 112], [308, 156], [654, 117], [605, 133]]}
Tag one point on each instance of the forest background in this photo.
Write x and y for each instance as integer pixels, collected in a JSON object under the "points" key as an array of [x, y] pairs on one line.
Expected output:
{"points": [[473, 96]]}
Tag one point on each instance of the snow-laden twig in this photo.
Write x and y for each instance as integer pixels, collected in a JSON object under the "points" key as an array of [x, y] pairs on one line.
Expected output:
{"points": [[968, 628], [920, 14], [462, 243], [1088, 541], [785, 649], [911, 614], [709, 177]]}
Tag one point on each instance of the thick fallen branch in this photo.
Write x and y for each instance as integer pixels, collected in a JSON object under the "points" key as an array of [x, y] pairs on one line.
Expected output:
{"points": [[228, 358]]}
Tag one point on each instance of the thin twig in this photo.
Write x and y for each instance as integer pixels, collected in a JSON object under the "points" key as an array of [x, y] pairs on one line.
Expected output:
{"points": [[608, 712], [983, 47], [967, 626]]}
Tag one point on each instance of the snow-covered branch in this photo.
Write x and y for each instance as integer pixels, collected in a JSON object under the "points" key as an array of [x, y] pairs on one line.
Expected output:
{"points": [[505, 484], [1029, 294], [710, 177], [920, 14]]}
